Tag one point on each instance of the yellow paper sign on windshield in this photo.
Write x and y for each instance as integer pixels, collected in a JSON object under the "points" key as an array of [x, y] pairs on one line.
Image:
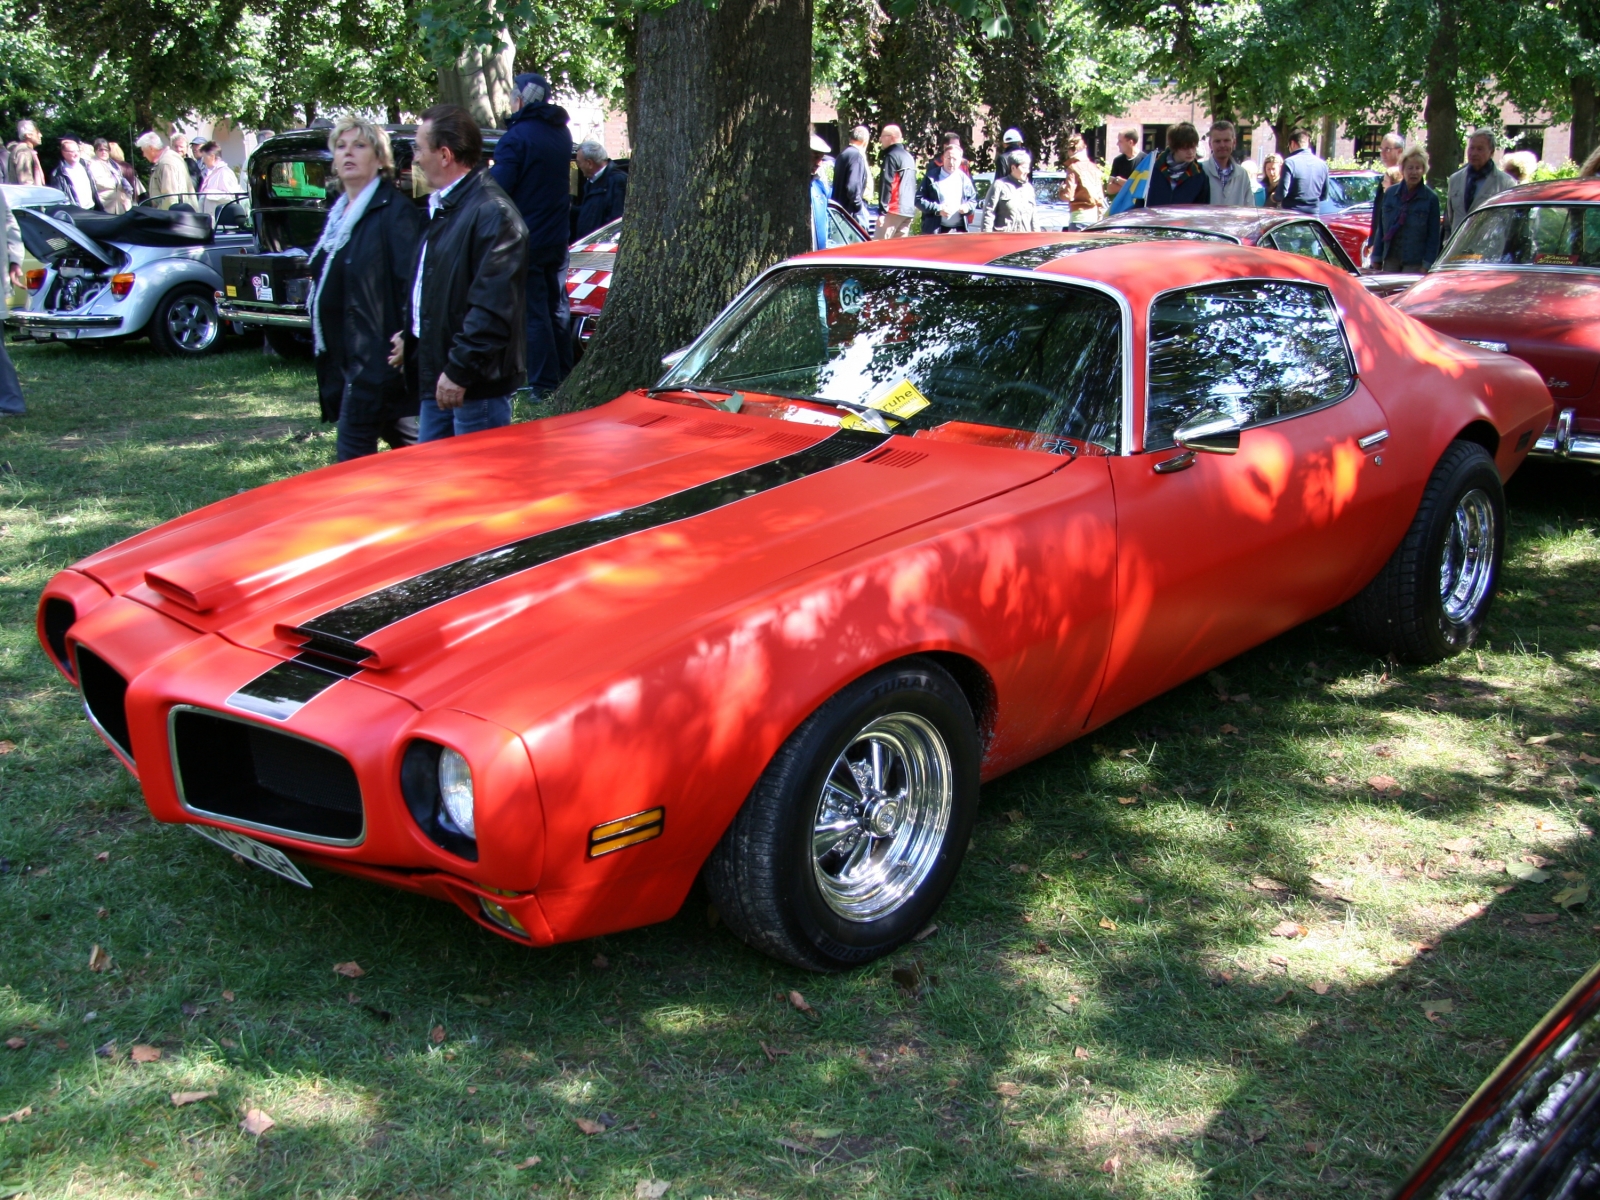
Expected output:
{"points": [[903, 401]]}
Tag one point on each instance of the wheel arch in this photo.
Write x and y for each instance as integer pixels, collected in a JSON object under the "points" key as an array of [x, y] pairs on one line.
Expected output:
{"points": [[1482, 433], [975, 683]]}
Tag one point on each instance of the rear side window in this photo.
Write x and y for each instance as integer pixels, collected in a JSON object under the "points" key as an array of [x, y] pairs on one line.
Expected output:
{"points": [[1257, 351], [1301, 238]]}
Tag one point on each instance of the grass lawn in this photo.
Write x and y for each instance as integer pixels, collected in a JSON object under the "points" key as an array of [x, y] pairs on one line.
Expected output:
{"points": [[1103, 1009]]}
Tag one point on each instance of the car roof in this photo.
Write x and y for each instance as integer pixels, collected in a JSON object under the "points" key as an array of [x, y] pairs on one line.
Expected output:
{"points": [[1241, 224], [1136, 266], [299, 140], [1544, 193]]}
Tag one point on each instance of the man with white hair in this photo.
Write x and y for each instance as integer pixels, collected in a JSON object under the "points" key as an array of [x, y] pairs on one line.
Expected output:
{"points": [[605, 190], [1477, 181], [22, 157], [532, 164], [72, 176], [170, 184], [1391, 149], [850, 177]]}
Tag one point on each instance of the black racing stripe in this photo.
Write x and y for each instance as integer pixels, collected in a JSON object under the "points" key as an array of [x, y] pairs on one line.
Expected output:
{"points": [[283, 690], [339, 630]]}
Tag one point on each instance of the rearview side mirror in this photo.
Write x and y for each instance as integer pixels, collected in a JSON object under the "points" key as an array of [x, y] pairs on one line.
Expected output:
{"points": [[674, 358], [1211, 432]]}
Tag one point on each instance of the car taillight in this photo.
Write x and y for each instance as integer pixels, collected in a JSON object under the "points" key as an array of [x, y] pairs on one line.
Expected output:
{"points": [[121, 285], [35, 279]]}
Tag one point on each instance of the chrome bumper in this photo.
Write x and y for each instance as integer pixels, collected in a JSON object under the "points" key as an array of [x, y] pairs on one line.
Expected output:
{"points": [[1562, 442], [231, 310], [69, 323]]}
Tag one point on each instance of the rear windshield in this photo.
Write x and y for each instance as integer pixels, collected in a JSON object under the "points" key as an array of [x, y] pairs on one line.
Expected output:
{"points": [[1529, 235], [1353, 189], [300, 179]]}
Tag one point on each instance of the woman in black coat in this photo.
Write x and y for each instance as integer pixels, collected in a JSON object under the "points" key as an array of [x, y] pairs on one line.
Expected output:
{"points": [[363, 270]]}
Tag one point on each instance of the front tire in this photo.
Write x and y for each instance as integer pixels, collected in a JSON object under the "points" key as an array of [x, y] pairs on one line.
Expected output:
{"points": [[186, 323], [853, 834], [1431, 598]]}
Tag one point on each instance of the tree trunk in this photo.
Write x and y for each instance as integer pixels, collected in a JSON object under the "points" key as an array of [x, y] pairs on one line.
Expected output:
{"points": [[1583, 117], [393, 112], [1441, 113], [1219, 102], [718, 186], [1328, 140], [480, 81]]}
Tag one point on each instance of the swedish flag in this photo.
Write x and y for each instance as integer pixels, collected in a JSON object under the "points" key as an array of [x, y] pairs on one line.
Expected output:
{"points": [[1137, 186]]}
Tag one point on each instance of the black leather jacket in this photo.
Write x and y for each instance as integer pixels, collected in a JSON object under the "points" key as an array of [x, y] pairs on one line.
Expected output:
{"points": [[368, 290], [474, 255]]}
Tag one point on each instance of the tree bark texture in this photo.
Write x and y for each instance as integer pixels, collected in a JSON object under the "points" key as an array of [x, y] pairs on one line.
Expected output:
{"points": [[480, 81], [1583, 117], [1441, 112], [717, 190]]}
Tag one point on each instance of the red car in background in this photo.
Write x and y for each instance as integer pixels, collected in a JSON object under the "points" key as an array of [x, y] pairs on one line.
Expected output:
{"points": [[1522, 276], [1351, 195]]}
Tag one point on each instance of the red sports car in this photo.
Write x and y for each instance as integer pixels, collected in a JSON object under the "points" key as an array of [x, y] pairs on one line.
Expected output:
{"points": [[1522, 276], [1351, 195], [906, 516]]}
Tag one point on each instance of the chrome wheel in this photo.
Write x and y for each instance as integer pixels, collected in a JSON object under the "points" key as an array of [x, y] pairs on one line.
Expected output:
{"points": [[882, 817], [192, 324], [1466, 569]]}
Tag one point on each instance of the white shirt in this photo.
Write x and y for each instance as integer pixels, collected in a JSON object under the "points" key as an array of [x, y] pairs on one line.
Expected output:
{"points": [[78, 181], [435, 199]]}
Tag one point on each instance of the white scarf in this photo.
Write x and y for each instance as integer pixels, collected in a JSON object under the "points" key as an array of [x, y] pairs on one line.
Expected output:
{"points": [[342, 218]]}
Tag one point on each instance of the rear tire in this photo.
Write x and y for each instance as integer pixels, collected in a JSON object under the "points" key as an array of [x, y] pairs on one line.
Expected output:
{"points": [[186, 323], [853, 834], [1431, 598], [287, 342]]}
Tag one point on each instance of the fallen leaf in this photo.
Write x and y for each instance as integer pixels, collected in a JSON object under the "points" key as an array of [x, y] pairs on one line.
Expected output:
{"points": [[1278, 960], [1229, 729], [145, 1054], [1281, 997], [1494, 865], [99, 960], [256, 1122], [1571, 897], [1504, 888], [1149, 789], [179, 1099], [102, 913], [1320, 987], [1545, 739], [908, 979], [17, 1117], [1288, 929], [1127, 799], [827, 1132], [800, 1005], [1536, 860], [926, 933], [651, 1189], [1383, 783], [1225, 976], [229, 1044], [533, 1160], [1460, 845], [1079, 855], [108, 1050], [1472, 909], [797, 1147], [1266, 884], [190, 1009], [1312, 1147], [1424, 947], [1108, 923], [772, 1054], [7, 747], [590, 1127], [1012, 815], [1433, 1007], [1008, 1089], [1112, 1165], [103, 856], [1540, 918], [601, 962], [1081, 1053], [1019, 868], [62, 1043], [349, 970], [1526, 872], [1585, 757], [436, 1035], [1132, 752]]}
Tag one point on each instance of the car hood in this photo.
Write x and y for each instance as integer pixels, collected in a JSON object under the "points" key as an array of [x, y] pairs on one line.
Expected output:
{"points": [[426, 568], [1550, 319]]}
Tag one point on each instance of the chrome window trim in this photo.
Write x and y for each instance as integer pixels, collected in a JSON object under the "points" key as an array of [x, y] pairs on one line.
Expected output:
{"points": [[223, 818], [1339, 319], [843, 260]]}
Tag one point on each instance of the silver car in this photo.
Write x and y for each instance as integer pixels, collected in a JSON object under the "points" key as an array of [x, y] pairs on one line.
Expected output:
{"points": [[149, 272]]}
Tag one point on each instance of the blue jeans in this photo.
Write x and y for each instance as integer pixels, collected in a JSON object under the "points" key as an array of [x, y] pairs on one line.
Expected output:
{"points": [[10, 389], [473, 416]]}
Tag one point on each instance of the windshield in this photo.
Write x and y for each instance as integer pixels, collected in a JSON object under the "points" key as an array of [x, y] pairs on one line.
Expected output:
{"points": [[1529, 235], [1040, 357], [1354, 189]]}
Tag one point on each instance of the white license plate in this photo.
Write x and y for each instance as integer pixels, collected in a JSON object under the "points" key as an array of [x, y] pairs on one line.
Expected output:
{"points": [[260, 853]]}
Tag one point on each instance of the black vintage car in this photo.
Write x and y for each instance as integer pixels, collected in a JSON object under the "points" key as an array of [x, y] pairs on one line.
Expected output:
{"points": [[292, 185]]}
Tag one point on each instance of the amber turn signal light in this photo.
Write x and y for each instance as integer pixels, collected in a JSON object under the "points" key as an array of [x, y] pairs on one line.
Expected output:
{"points": [[121, 284], [35, 279], [626, 831]]}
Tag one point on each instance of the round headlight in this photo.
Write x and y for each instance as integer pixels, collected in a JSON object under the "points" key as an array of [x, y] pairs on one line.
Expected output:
{"points": [[455, 791]]}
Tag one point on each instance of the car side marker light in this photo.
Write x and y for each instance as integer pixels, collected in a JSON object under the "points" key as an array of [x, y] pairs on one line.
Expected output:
{"points": [[626, 831]]}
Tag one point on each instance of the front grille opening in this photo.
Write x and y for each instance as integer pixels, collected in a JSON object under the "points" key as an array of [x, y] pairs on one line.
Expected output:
{"points": [[105, 693], [233, 769], [59, 616]]}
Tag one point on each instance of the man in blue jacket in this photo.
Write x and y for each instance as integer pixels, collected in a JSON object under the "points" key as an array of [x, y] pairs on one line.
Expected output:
{"points": [[1303, 186], [532, 164]]}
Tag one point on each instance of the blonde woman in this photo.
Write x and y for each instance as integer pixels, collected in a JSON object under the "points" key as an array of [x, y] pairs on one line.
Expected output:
{"points": [[363, 266], [1085, 185], [1406, 226], [1520, 165]]}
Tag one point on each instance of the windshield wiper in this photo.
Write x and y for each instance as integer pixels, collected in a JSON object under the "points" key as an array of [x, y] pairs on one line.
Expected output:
{"points": [[733, 403]]}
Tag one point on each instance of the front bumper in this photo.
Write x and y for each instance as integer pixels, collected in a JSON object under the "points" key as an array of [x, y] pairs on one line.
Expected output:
{"points": [[246, 314], [66, 326], [1562, 441]]}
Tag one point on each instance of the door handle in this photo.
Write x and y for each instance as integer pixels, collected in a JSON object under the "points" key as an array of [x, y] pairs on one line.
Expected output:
{"points": [[1178, 462], [1373, 439]]}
